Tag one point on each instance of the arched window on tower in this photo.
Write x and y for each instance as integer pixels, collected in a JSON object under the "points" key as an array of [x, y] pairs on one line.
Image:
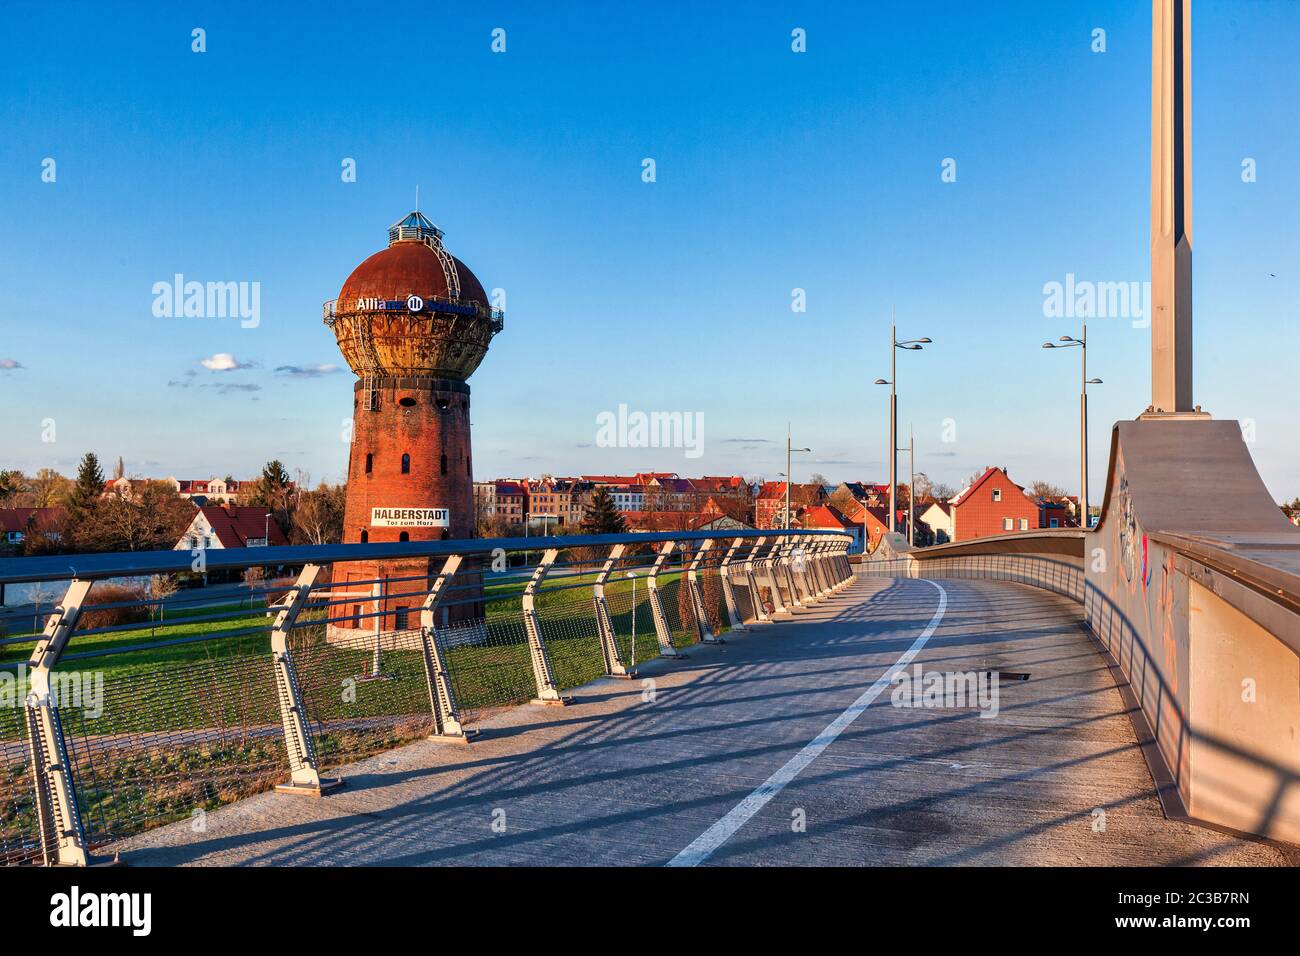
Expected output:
{"points": [[370, 462], [404, 536], [365, 536], [444, 464], [406, 464]]}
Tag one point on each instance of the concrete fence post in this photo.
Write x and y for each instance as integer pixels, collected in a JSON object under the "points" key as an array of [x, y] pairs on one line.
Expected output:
{"points": [[728, 591], [63, 837], [662, 631], [800, 560], [614, 666], [751, 577], [783, 566], [702, 627], [442, 698], [304, 769], [843, 570], [547, 693], [825, 580], [812, 569], [770, 569]]}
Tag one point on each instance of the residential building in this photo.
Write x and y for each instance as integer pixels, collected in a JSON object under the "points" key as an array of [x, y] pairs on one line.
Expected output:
{"points": [[938, 515], [17, 523], [1058, 513], [199, 490], [832, 519], [650, 521], [669, 494], [992, 504], [485, 499], [511, 501], [629, 498], [769, 504], [222, 526]]}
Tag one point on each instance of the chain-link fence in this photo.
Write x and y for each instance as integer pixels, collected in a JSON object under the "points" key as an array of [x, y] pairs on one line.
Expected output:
{"points": [[165, 707]]}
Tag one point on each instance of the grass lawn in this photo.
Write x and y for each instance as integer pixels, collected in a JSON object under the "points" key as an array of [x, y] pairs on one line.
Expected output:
{"points": [[164, 730]]}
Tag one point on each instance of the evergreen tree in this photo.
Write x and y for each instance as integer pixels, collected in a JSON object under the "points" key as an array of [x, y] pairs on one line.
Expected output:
{"points": [[89, 486], [85, 493], [274, 491], [603, 517], [11, 482]]}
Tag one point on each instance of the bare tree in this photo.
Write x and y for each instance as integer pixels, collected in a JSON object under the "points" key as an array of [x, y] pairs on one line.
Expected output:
{"points": [[1045, 489], [942, 491], [318, 516], [161, 587], [152, 517]]}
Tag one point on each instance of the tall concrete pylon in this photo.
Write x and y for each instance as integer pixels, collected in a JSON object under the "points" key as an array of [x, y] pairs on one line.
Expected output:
{"points": [[1171, 206]]}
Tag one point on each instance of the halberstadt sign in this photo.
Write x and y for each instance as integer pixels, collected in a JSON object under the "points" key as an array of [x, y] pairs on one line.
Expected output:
{"points": [[410, 517]]}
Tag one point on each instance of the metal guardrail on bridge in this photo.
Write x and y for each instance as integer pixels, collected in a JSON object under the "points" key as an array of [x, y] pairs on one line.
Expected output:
{"points": [[134, 711]]}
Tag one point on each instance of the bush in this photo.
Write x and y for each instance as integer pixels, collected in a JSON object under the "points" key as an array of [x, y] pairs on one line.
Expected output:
{"points": [[113, 616]]}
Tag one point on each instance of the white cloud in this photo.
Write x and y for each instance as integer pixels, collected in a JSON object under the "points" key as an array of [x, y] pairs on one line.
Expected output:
{"points": [[224, 362]]}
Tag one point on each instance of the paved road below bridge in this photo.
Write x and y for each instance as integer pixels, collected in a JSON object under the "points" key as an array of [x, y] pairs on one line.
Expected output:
{"points": [[779, 747]]}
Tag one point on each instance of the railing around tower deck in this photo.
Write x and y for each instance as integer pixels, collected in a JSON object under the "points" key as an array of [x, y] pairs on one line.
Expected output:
{"points": [[128, 712], [429, 305]]}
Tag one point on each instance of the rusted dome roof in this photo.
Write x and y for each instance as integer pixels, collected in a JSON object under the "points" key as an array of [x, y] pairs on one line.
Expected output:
{"points": [[408, 267]]}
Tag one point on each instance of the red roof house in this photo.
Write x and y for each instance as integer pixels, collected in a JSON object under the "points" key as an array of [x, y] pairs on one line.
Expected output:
{"points": [[992, 504], [215, 526]]}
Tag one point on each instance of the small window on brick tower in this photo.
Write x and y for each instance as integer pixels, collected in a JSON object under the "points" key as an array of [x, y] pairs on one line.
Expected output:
{"points": [[370, 462], [406, 464], [404, 536], [356, 615], [444, 464], [365, 536], [468, 470]]}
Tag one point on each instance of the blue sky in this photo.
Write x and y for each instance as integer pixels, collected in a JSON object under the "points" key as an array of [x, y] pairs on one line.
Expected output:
{"points": [[775, 171]]}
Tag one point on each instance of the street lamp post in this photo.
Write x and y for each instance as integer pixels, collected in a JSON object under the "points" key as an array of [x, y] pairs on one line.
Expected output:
{"points": [[911, 486], [1081, 343], [788, 451], [912, 345]]}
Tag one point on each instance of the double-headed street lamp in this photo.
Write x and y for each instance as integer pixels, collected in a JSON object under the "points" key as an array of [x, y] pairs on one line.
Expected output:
{"points": [[788, 451], [1069, 342], [912, 345]]}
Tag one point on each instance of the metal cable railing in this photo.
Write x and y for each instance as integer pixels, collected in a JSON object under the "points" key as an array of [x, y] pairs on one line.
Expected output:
{"points": [[1058, 573], [133, 711]]}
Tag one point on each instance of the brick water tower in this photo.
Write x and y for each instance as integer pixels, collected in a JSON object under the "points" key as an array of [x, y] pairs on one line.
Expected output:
{"points": [[413, 323]]}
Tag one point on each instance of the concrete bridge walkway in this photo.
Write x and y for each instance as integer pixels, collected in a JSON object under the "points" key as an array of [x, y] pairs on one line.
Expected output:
{"points": [[790, 724]]}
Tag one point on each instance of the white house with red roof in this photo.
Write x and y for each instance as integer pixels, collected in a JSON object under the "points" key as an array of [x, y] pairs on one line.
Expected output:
{"points": [[218, 526]]}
